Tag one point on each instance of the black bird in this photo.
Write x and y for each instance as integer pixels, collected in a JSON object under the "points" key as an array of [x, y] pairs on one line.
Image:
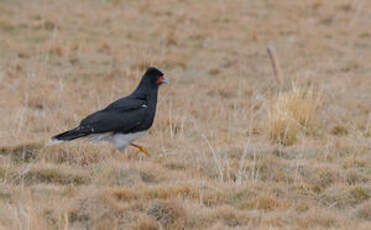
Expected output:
{"points": [[123, 121]]}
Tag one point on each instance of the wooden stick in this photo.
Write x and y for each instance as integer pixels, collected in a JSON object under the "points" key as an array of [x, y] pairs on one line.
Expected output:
{"points": [[275, 64]]}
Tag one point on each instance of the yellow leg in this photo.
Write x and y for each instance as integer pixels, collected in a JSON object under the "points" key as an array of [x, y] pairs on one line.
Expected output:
{"points": [[140, 149]]}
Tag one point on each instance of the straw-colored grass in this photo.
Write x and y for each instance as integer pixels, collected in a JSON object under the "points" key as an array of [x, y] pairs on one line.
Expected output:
{"points": [[292, 113]]}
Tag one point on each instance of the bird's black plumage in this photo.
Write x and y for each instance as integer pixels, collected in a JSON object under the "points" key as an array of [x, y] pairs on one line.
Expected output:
{"points": [[131, 114]]}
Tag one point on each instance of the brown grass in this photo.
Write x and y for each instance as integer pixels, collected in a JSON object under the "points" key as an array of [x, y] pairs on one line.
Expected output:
{"points": [[292, 113], [230, 148]]}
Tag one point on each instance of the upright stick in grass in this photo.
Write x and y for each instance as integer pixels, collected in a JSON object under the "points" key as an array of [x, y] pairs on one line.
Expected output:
{"points": [[275, 64]]}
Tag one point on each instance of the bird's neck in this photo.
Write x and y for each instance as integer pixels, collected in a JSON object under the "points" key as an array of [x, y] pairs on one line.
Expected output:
{"points": [[148, 94]]}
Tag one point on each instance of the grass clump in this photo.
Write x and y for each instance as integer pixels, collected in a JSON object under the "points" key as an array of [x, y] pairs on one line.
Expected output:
{"points": [[39, 174], [50, 175], [292, 113], [363, 211], [170, 214], [22, 152], [342, 196]]}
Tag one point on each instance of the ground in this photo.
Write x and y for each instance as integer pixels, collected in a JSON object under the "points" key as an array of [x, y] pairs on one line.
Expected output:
{"points": [[231, 148]]}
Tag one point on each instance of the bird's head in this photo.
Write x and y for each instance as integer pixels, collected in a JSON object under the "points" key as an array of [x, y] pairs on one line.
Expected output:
{"points": [[150, 82], [155, 76]]}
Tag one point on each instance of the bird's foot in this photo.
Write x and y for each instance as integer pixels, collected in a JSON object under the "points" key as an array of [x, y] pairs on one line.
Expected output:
{"points": [[141, 149]]}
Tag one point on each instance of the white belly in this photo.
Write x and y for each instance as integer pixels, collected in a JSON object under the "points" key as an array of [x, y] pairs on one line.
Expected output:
{"points": [[121, 141]]}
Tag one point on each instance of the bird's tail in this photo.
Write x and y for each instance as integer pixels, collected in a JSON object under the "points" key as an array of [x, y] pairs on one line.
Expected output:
{"points": [[67, 136]]}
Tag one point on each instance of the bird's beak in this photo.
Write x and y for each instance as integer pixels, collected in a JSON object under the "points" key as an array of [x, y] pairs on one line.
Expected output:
{"points": [[162, 80]]}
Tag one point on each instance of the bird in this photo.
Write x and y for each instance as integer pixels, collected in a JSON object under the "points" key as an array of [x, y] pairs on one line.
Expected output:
{"points": [[123, 121]]}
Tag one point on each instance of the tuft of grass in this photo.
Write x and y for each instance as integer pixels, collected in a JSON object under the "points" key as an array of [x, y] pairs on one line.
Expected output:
{"points": [[342, 197], [73, 153], [364, 211], [154, 192], [39, 174], [147, 224], [50, 175], [291, 113], [228, 216], [317, 219], [264, 202], [169, 213], [22, 152]]}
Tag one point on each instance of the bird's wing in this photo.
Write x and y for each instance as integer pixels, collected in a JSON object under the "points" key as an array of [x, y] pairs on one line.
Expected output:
{"points": [[122, 115], [126, 104]]}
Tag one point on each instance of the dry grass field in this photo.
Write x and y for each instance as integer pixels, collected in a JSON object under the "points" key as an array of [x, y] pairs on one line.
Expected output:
{"points": [[230, 147]]}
